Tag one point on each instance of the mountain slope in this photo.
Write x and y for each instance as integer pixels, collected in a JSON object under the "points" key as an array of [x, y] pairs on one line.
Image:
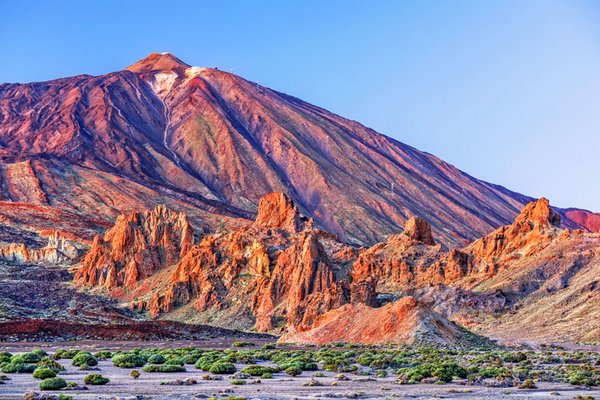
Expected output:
{"points": [[210, 144]]}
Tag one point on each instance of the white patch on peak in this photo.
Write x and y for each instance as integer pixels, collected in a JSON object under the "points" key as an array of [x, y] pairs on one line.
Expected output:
{"points": [[163, 83], [194, 71]]}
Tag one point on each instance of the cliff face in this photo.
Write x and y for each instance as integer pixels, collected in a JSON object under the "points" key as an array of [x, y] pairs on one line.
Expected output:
{"points": [[59, 250], [139, 245]]}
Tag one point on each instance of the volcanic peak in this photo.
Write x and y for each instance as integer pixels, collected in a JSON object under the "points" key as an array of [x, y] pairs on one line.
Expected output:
{"points": [[159, 62]]}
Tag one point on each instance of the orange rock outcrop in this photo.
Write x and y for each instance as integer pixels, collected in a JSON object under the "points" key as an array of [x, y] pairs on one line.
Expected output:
{"points": [[137, 246]]}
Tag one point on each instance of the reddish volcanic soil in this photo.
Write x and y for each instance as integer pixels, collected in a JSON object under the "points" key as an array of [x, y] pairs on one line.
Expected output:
{"points": [[584, 218]]}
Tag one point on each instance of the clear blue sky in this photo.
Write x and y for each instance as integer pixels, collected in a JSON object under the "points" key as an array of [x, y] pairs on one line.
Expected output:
{"points": [[508, 91]]}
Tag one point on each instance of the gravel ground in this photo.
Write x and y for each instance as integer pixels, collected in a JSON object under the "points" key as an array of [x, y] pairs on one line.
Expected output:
{"points": [[149, 386]]}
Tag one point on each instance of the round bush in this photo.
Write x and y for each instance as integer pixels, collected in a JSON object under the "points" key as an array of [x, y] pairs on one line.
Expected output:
{"points": [[257, 370], [163, 368], [103, 355], [84, 359], [157, 359], [176, 361], [222, 367], [22, 368], [128, 360], [95, 379], [43, 373], [293, 371], [135, 374], [49, 363], [5, 356], [53, 384], [39, 352], [173, 368], [62, 353], [205, 362], [25, 358]]}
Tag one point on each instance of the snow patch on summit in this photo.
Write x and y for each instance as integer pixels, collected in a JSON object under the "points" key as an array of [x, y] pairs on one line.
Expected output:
{"points": [[194, 71], [163, 83]]}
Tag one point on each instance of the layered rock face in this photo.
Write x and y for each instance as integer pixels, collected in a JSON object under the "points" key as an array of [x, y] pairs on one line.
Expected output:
{"points": [[401, 262], [139, 245], [211, 144], [277, 211], [405, 321], [59, 250]]}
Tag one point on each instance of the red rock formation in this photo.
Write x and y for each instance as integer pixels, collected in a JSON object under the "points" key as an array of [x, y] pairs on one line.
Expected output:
{"points": [[277, 211], [269, 271], [419, 231], [139, 245], [410, 259], [280, 274], [294, 284], [402, 261], [302, 286], [402, 322]]}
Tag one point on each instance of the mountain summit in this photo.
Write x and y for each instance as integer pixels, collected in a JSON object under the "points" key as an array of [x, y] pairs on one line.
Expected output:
{"points": [[211, 144], [158, 62]]}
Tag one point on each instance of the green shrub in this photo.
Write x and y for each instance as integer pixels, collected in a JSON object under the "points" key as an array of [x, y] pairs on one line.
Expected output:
{"points": [[581, 378], [49, 363], [95, 379], [293, 371], [128, 360], [43, 373], [206, 361], [84, 358], [103, 355], [25, 358], [515, 357], [445, 372], [257, 370], [67, 354], [222, 367], [39, 352], [163, 368], [156, 359], [53, 384], [238, 382], [18, 368], [135, 374], [175, 361], [5, 356]]}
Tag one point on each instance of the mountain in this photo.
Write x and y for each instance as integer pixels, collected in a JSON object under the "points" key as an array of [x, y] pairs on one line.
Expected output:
{"points": [[77, 152]]}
